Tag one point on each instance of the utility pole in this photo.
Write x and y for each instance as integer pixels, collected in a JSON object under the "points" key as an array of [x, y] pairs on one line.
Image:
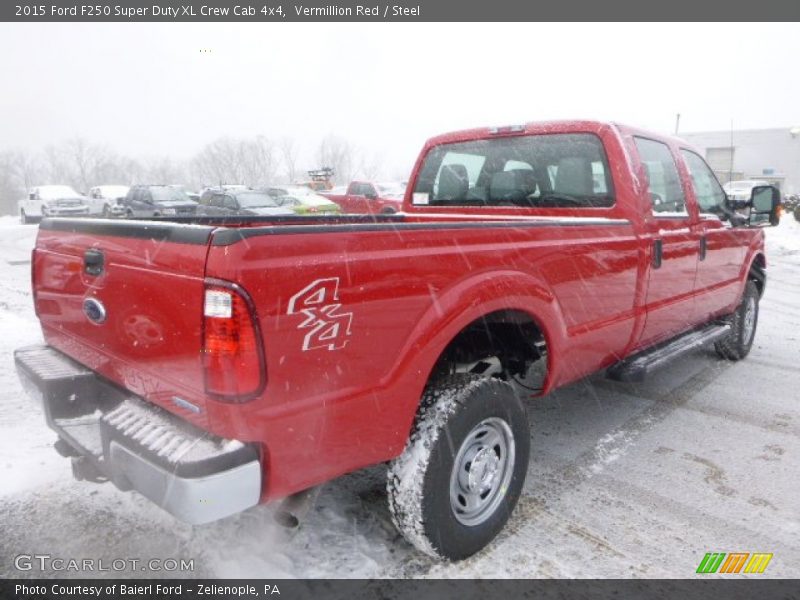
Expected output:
{"points": [[730, 175]]}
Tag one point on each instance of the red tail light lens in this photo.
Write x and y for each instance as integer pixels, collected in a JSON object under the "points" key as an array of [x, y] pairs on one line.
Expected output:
{"points": [[233, 355]]}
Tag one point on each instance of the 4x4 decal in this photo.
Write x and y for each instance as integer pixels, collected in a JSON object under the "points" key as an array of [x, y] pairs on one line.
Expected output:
{"points": [[319, 303]]}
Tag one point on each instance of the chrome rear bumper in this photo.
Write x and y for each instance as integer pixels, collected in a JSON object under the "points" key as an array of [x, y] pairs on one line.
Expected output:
{"points": [[190, 473]]}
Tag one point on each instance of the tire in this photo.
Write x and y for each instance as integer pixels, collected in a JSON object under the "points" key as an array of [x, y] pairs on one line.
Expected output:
{"points": [[429, 503], [736, 345], [388, 211]]}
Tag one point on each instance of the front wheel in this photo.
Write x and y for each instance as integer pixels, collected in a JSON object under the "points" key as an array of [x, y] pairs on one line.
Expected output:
{"points": [[736, 345], [461, 474]]}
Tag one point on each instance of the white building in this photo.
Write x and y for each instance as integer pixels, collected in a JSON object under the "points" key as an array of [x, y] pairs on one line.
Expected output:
{"points": [[768, 154]]}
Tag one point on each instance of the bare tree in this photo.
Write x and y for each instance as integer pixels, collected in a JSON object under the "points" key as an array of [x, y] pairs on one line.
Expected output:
{"points": [[28, 169], [10, 188], [257, 161], [371, 166], [340, 155], [162, 170], [250, 161], [289, 152]]}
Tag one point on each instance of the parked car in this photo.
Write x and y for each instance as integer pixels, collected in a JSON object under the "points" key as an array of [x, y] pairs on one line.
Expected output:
{"points": [[212, 368], [155, 201], [51, 201], [239, 202], [194, 196], [368, 197], [739, 191], [303, 200], [102, 198]]}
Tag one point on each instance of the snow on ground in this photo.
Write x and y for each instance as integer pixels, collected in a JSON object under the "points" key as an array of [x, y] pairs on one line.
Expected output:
{"points": [[626, 480]]}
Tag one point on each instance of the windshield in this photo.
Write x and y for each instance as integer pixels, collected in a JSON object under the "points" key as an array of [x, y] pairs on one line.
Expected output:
{"points": [[169, 194], [113, 191], [391, 188], [547, 171], [255, 200], [52, 192]]}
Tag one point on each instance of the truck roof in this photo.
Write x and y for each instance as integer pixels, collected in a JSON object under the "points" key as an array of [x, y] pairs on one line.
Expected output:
{"points": [[544, 127]]}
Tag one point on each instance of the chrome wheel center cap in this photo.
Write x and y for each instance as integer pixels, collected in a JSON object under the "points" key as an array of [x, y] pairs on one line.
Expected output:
{"points": [[483, 470]]}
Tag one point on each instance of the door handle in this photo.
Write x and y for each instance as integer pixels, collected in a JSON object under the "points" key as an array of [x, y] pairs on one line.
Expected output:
{"points": [[658, 252], [93, 262], [703, 247]]}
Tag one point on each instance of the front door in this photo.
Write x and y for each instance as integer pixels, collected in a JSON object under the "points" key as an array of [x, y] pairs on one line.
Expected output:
{"points": [[674, 246], [717, 284]]}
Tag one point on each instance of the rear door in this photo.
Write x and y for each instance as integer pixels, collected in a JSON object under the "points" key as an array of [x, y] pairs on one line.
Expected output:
{"points": [[673, 243]]}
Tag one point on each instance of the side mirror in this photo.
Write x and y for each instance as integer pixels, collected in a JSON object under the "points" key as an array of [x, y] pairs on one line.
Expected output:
{"points": [[765, 202], [31, 196]]}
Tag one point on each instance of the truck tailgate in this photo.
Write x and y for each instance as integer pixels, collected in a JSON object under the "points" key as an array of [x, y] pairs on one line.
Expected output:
{"points": [[126, 300]]}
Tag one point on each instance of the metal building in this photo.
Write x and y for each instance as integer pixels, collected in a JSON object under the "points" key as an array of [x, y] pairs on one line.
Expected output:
{"points": [[771, 155]]}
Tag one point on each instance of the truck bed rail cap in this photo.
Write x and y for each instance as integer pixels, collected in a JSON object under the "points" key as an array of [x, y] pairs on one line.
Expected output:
{"points": [[226, 237], [180, 233]]}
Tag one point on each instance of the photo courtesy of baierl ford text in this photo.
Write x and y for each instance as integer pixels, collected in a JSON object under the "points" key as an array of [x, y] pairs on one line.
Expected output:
{"points": [[328, 299]]}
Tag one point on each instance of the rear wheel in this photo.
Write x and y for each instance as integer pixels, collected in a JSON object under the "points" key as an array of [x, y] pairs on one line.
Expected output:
{"points": [[461, 474], [736, 345]]}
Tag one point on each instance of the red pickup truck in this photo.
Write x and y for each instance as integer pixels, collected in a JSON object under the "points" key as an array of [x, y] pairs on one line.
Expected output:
{"points": [[214, 363], [369, 198]]}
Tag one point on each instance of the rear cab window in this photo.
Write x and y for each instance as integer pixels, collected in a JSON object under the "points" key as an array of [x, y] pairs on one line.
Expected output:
{"points": [[568, 170]]}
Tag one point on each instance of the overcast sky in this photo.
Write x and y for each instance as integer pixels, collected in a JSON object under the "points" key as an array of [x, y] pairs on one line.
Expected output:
{"points": [[148, 90]]}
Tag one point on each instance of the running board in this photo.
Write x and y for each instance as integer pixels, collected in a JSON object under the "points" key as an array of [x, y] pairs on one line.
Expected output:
{"points": [[637, 367]]}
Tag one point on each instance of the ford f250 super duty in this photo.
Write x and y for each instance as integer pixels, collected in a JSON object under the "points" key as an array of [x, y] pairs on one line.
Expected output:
{"points": [[212, 364]]}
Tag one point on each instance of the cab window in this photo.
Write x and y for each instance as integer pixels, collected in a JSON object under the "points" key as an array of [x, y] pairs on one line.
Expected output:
{"points": [[709, 192], [663, 181]]}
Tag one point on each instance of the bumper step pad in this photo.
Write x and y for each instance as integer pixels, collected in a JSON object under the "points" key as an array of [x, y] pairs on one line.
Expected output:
{"points": [[189, 472]]}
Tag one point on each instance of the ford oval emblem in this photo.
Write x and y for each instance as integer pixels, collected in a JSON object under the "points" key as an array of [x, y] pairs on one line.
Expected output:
{"points": [[94, 310]]}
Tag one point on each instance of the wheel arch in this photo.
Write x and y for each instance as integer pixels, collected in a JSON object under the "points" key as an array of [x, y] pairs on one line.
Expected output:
{"points": [[757, 272], [469, 302]]}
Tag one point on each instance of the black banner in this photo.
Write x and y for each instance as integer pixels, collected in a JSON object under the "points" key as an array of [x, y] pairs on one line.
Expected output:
{"points": [[393, 10], [484, 589]]}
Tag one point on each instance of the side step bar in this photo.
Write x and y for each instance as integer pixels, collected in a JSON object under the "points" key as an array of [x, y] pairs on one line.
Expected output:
{"points": [[637, 367]]}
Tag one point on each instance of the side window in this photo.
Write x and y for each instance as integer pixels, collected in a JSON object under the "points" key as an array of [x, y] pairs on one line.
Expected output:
{"points": [[664, 183], [706, 187], [230, 202], [215, 200]]}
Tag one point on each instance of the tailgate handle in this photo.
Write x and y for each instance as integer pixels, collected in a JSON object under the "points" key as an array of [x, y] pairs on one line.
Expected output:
{"points": [[93, 262]]}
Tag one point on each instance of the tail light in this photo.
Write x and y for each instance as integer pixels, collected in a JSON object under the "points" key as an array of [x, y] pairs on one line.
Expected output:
{"points": [[233, 353]]}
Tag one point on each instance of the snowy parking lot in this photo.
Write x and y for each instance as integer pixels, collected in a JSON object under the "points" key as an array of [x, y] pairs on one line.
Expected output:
{"points": [[625, 480]]}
